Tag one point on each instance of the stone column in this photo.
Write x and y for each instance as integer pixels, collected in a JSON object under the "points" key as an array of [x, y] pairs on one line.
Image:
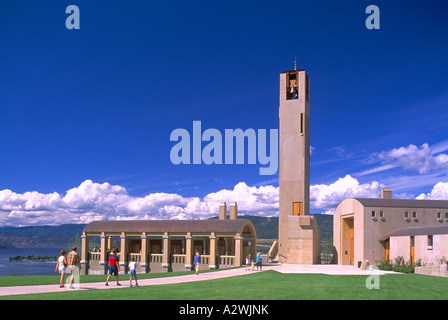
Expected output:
{"points": [[144, 253], [103, 254], [238, 250], [84, 254], [123, 253], [188, 252], [213, 257], [110, 244], [166, 259], [253, 249]]}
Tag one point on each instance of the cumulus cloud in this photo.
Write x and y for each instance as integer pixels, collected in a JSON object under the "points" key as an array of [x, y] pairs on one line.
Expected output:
{"points": [[103, 201], [83, 204], [251, 200], [439, 192], [327, 197], [94, 201]]}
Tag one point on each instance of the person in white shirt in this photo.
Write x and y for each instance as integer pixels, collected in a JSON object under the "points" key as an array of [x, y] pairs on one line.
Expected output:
{"points": [[61, 266], [133, 272]]}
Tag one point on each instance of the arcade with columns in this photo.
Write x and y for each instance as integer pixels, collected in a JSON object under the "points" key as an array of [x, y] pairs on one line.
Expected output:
{"points": [[170, 245]]}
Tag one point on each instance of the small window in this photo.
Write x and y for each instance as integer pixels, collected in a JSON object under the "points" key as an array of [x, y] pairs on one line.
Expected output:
{"points": [[439, 215], [406, 215], [430, 242], [301, 123], [381, 214], [446, 215], [373, 214], [307, 88]]}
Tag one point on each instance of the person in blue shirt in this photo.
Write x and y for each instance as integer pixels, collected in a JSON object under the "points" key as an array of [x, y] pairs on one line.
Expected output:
{"points": [[196, 261], [259, 259]]}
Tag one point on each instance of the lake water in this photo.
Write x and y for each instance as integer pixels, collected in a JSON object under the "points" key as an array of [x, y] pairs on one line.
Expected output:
{"points": [[27, 267]]}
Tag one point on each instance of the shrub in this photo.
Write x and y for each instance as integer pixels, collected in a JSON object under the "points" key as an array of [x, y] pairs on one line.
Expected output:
{"points": [[399, 265], [385, 265]]}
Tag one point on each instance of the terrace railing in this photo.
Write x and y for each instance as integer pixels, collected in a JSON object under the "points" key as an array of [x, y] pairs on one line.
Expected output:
{"points": [[178, 258], [156, 258], [95, 256], [226, 261]]}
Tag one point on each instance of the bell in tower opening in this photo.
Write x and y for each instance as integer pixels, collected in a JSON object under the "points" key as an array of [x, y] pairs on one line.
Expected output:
{"points": [[292, 86]]}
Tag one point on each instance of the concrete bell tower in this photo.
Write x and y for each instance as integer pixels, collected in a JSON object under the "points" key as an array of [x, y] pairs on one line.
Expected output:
{"points": [[299, 235]]}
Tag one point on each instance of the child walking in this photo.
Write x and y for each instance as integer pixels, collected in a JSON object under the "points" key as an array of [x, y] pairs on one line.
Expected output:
{"points": [[133, 272]]}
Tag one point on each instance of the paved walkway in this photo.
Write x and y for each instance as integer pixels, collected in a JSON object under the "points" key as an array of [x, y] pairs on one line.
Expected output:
{"points": [[283, 268]]}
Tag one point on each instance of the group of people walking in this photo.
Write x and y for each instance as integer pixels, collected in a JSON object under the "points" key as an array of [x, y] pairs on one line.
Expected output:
{"points": [[114, 269], [72, 264], [251, 264]]}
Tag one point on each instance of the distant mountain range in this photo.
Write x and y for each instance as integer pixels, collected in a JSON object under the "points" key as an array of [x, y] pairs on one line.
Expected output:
{"points": [[59, 236], [39, 236]]}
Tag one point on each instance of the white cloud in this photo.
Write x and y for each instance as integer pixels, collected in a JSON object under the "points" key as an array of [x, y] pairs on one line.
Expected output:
{"points": [[94, 201], [411, 157], [328, 196], [422, 159], [85, 203], [251, 200], [103, 201], [439, 192]]}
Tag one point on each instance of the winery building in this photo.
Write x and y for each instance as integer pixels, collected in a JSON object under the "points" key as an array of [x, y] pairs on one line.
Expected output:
{"points": [[386, 228], [170, 245]]}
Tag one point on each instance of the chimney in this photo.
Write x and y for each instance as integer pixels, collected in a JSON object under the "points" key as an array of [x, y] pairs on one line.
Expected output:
{"points": [[233, 211], [222, 211], [386, 193]]}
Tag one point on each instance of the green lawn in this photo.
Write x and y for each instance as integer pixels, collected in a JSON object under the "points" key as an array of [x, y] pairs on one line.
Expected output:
{"points": [[270, 285], [18, 280]]}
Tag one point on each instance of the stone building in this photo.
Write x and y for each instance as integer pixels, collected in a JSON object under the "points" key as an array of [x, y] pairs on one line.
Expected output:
{"points": [[170, 245], [386, 228]]}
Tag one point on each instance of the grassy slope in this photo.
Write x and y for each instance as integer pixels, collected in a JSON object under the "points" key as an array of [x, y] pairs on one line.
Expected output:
{"points": [[272, 285]]}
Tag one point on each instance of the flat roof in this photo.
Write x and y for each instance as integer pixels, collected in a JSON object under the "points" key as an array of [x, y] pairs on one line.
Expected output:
{"points": [[416, 231], [403, 203], [293, 70], [198, 226]]}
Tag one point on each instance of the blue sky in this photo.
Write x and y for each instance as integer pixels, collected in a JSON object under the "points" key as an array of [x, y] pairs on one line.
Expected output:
{"points": [[91, 110]]}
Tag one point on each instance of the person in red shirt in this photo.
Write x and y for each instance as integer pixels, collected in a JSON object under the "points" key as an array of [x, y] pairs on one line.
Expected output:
{"points": [[114, 267]]}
